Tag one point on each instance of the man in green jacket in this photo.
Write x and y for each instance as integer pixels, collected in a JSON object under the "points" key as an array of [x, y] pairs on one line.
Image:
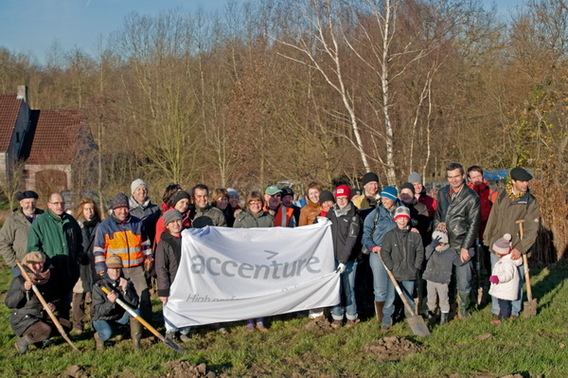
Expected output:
{"points": [[14, 233], [58, 235]]}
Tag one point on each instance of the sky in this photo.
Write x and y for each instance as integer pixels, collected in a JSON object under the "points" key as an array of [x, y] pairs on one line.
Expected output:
{"points": [[33, 26]]}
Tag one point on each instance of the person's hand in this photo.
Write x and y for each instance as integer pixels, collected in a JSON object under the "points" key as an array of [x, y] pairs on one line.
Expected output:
{"points": [[515, 254], [340, 268], [123, 283], [112, 296], [148, 263], [376, 249], [51, 306], [464, 255], [164, 300], [494, 279], [435, 242], [414, 229], [27, 285]]}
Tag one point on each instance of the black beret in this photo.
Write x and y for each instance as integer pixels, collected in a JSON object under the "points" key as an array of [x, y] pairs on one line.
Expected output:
{"points": [[326, 195], [520, 174], [408, 185], [27, 194], [287, 191]]}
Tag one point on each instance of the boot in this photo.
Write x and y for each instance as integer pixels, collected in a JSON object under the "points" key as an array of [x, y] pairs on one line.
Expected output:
{"points": [[135, 333], [99, 343], [431, 317], [445, 318], [22, 344], [465, 301], [379, 310]]}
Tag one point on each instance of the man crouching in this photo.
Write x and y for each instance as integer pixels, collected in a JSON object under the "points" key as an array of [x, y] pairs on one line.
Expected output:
{"points": [[107, 313], [28, 319]]}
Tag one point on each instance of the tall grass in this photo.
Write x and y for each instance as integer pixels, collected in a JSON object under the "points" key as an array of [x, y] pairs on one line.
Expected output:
{"points": [[529, 347]]}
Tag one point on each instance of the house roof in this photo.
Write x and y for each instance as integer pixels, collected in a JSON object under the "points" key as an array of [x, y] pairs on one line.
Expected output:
{"points": [[9, 109], [56, 137]]}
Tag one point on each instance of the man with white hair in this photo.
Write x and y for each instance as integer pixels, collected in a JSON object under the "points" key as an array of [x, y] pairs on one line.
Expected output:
{"points": [[143, 209]]}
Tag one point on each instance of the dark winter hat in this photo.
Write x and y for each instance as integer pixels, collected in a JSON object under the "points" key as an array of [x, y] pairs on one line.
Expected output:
{"points": [[179, 195], [113, 262], [342, 190], [287, 191], [120, 200], [520, 174], [202, 222], [27, 194], [326, 195], [408, 185], [232, 192], [441, 235], [370, 177], [390, 192], [171, 215], [503, 246], [414, 177], [402, 212]]}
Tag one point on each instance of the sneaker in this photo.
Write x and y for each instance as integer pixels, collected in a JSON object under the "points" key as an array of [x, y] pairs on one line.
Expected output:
{"points": [[76, 331], [222, 331], [351, 323], [250, 327], [184, 338], [336, 324], [171, 336], [261, 327]]}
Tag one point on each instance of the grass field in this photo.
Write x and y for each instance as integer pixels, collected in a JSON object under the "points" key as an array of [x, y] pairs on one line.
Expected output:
{"points": [[529, 347]]}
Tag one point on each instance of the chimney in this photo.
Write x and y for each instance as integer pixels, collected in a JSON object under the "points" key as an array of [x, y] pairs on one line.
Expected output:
{"points": [[22, 93]]}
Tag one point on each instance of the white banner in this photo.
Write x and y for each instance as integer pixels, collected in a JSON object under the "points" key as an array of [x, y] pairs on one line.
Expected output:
{"points": [[229, 274]]}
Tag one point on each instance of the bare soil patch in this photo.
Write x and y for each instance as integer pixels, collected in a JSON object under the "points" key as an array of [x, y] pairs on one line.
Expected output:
{"points": [[392, 348]]}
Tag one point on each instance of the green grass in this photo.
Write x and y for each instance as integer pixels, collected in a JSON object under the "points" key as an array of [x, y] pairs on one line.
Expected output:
{"points": [[529, 347]]}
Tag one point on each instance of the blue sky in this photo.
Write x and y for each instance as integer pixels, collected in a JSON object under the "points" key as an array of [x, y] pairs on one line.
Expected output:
{"points": [[32, 26]]}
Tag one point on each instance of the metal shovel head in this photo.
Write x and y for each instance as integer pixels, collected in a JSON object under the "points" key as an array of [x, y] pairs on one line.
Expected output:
{"points": [[174, 346], [530, 308], [418, 326]]}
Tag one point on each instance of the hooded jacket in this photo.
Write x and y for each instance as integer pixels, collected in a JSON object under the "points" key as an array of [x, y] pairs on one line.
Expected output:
{"points": [[346, 232], [403, 253]]}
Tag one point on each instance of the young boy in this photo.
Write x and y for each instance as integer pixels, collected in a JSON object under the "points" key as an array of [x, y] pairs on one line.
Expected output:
{"points": [[402, 253], [438, 273], [504, 277]]}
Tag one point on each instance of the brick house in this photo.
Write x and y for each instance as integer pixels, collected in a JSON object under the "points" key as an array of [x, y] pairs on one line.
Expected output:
{"points": [[44, 143]]}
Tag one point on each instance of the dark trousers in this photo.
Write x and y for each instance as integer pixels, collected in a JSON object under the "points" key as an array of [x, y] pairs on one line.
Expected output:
{"points": [[505, 307], [44, 330]]}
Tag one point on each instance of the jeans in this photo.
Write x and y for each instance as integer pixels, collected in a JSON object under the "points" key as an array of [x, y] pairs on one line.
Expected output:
{"points": [[516, 304], [348, 304], [105, 328], [504, 308], [382, 286], [464, 277], [407, 288]]}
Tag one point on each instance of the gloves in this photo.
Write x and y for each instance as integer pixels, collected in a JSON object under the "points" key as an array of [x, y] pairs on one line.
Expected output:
{"points": [[435, 242], [340, 268], [494, 279]]}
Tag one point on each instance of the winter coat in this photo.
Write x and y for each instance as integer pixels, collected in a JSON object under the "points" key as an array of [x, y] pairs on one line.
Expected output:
{"points": [[508, 273], [148, 213], [309, 213], [87, 268], [362, 202], [247, 220], [384, 223], [484, 193], [403, 253], [14, 237], [283, 216], [103, 309], [211, 212], [430, 203], [419, 219], [25, 307], [346, 232], [440, 264], [505, 212], [168, 257], [160, 227], [461, 215]]}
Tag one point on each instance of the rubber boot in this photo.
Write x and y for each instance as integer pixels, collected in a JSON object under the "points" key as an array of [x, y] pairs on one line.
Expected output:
{"points": [[379, 310], [22, 344], [431, 317], [465, 301], [99, 343], [445, 318], [135, 333]]}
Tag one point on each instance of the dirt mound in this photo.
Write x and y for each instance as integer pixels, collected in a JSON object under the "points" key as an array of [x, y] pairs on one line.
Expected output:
{"points": [[75, 371], [181, 368], [392, 348], [318, 323]]}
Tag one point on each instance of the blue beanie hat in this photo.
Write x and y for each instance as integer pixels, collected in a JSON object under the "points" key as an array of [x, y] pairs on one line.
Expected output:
{"points": [[390, 192]]}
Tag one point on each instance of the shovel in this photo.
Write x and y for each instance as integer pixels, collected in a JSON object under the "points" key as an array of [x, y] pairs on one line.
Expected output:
{"points": [[415, 322], [530, 305], [166, 341]]}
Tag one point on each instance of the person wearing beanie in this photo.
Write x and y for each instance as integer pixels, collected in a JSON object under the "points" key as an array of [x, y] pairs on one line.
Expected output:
{"points": [[179, 201], [513, 203], [419, 218], [108, 315], [142, 208], [14, 232], [312, 209], [377, 223], [345, 232], [504, 277], [369, 197], [420, 193], [402, 253], [287, 198], [459, 213], [441, 259], [168, 257], [124, 235]]}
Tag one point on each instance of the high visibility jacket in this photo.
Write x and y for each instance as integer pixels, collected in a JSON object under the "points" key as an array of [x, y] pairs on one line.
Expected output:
{"points": [[128, 240]]}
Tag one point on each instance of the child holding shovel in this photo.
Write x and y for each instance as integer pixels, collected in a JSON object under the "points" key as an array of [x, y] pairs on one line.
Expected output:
{"points": [[504, 277]]}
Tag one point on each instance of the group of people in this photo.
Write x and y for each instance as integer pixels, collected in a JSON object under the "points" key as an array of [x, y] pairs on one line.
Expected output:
{"points": [[425, 243]]}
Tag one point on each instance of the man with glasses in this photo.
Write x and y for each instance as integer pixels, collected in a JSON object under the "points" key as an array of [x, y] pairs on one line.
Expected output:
{"points": [[58, 235]]}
